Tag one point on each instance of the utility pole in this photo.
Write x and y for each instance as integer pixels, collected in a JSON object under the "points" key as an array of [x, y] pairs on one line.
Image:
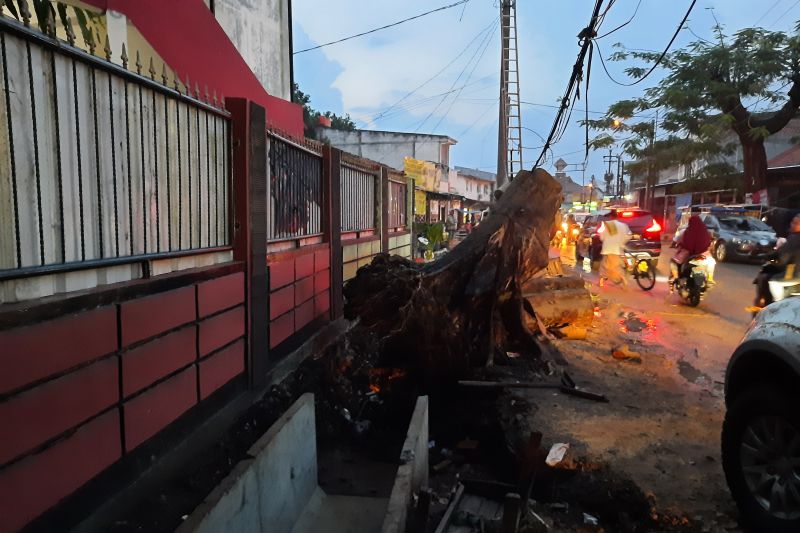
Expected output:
{"points": [[509, 134], [650, 181]]}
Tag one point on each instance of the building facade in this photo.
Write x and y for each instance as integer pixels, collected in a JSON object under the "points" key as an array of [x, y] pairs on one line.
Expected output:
{"points": [[261, 32], [389, 147]]}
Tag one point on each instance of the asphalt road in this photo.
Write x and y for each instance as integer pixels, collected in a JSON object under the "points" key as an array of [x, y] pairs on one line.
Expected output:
{"points": [[713, 329], [662, 426]]}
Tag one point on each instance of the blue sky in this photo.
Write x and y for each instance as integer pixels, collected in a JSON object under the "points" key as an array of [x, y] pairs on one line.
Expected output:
{"points": [[452, 59]]}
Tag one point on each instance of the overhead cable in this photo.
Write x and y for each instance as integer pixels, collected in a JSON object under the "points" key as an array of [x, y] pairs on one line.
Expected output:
{"points": [[660, 58], [382, 27]]}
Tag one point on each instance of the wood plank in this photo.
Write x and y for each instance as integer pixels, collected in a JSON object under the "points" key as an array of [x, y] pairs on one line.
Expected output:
{"points": [[160, 171], [203, 178], [23, 149], [136, 169], [8, 247], [171, 139], [103, 155], [44, 89]]}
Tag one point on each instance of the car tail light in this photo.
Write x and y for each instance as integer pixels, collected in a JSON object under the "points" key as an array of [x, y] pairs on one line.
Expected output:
{"points": [[627, 214], [655, 227]]}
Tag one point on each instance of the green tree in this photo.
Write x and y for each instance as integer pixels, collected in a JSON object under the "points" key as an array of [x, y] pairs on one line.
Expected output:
{"points": [[707, 101], [311, 116]]}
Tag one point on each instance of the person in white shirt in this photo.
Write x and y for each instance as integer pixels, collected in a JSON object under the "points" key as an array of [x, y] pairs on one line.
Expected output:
{"points": [[614, 235]]}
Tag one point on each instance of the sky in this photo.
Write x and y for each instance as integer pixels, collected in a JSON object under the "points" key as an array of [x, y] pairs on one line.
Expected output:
{"points": [[440, 73]]}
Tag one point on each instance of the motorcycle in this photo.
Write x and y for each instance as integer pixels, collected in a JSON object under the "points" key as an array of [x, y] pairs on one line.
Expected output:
{"points": [[692, 281], [781, 285]]}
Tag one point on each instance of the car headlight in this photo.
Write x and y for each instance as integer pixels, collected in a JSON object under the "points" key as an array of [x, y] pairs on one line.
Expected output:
{"points": [[737, 240]]}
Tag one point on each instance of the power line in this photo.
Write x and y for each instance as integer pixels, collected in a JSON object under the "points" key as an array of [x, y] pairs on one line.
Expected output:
{"points": [[660, 58], [383, 27], [586, 36], [423, 84], [466, 66], [767, 12], [469, 76], [624, 23], [784, 14], [414, 104], [476, 121]]}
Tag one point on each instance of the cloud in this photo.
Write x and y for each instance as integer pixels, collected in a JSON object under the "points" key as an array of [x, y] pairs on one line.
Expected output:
{"points": [[379, 69]]}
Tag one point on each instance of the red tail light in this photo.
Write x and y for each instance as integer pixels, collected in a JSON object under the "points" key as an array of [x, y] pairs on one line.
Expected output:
{"points": [[654, 227], [626, 214]]}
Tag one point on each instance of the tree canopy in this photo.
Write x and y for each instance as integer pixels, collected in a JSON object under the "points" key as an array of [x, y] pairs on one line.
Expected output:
{"points": [[708, 104], [311, 116]]}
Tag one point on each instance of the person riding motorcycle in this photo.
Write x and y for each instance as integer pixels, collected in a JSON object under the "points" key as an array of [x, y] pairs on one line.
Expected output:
{"points": [[695, 241], [786, 257]]}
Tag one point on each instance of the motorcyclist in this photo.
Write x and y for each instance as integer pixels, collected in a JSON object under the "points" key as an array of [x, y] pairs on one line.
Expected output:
{"points": [[787, 259], [695, 241], [571, 225]]}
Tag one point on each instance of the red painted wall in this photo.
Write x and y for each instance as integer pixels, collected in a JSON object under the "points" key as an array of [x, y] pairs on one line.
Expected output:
{"points": [[68, 385], [188, 37], [299, 285]]}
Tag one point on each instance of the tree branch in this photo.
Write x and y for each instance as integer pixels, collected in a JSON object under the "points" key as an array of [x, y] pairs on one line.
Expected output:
{"points": [[779, 119]]}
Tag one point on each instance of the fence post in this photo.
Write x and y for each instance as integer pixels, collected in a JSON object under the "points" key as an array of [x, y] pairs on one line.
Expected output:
{"points": [[384, 203], [331, 175], [411, 199], [249, 218]]}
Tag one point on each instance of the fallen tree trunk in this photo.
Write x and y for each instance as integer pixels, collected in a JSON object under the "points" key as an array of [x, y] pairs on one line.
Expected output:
{"points": [[449, 315], [557, 301]]}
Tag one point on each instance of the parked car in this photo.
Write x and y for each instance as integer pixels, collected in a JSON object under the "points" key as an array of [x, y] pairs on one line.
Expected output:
{"points": [[761, 431], [737, 237], [645, 228]]}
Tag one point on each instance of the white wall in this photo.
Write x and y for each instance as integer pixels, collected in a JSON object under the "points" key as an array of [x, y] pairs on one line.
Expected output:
{"points": [[260, 31], [389, 148]]}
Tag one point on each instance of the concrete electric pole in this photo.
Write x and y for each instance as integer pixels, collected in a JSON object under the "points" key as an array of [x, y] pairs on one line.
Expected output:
{"points": [[509, 130]]}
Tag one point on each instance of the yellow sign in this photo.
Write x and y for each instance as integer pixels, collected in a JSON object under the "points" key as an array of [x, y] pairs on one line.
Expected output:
{"points": [[424, 173], [420, 200]]}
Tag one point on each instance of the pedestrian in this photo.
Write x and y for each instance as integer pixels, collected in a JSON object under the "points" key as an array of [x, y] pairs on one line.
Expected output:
{"points": [[451, 223], [614, 235]]}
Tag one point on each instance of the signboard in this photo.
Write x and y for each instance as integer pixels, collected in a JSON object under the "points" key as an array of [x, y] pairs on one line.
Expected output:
{"points": [[682, 200], [424, 173], [420, 201]]}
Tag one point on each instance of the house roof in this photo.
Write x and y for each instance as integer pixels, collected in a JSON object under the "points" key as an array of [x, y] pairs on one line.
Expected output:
{"points": [[786, 158], [478, 174]]}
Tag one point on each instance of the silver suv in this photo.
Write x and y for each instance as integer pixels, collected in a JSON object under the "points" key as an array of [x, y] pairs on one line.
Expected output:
{"points": [[761, 432]]}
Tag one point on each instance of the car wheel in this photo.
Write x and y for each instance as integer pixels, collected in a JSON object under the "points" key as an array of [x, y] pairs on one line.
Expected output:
{"points": [[761, 458], [721, 252]]}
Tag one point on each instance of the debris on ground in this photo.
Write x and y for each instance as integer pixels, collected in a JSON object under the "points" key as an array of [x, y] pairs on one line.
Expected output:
{"points": [[556, 453], [624, 353]]}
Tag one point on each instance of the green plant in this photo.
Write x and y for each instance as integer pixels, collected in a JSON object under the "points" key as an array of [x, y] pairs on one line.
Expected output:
{"points": [[49, 14], [435, 235]]}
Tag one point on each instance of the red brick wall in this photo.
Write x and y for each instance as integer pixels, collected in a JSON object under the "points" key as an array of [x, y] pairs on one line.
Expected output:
{"points": [[299, 285], [80, 391]]}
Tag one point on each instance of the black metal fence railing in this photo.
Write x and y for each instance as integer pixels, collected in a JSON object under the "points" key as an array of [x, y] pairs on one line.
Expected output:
{"points": [[295, 190], [101, 165], [358, 199], [398, 204]]}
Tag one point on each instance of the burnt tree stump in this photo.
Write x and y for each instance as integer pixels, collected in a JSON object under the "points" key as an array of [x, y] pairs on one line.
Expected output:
{"points": [[445, 317]]}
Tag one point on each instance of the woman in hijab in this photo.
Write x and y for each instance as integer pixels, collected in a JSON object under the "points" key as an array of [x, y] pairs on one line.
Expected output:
{"points": [[695, 240]]}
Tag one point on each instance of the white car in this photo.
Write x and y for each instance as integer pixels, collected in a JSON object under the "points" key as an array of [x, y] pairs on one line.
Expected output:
{"points": [[761, 432]]}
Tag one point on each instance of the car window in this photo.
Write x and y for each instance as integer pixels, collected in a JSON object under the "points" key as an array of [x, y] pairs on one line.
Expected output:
{"points": [[743, 224]]}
